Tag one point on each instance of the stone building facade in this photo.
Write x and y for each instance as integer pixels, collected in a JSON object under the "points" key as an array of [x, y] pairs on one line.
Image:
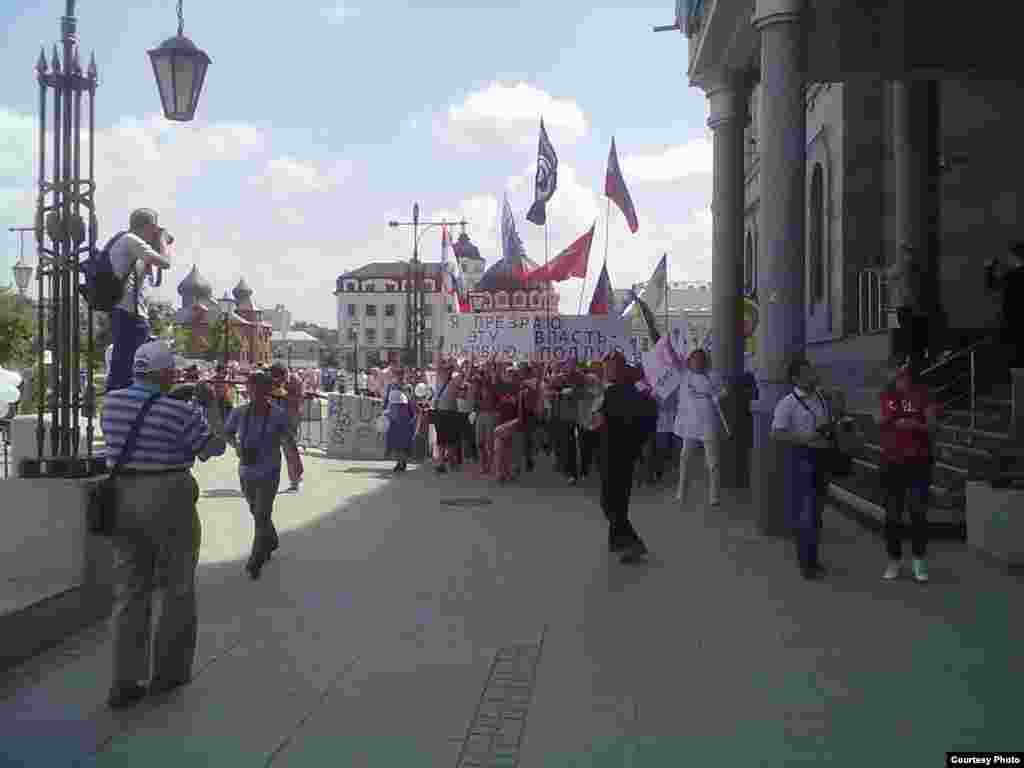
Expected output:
{"points": [[202, 315]]}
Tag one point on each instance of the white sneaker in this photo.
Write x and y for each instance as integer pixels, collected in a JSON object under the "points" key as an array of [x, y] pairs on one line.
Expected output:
{"points": [[920, 570], [892, 571]]}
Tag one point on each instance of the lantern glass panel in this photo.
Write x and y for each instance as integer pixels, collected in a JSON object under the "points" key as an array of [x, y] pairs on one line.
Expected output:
{"points": [[165, 81], [184, 71]]}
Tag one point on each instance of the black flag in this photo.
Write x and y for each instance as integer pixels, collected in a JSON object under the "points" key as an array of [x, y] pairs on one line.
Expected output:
{"points": [[547, 177]]}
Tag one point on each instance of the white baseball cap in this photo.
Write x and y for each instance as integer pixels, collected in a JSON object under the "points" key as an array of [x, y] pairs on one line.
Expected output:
{"points": [[153, 357]]}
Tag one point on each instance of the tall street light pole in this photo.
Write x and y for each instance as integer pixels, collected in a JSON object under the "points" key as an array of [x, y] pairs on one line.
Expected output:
{"points": [[415, 295]]}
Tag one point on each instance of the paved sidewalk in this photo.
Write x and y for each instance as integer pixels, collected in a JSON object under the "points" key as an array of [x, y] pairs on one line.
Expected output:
{"points": [[396, 630]]}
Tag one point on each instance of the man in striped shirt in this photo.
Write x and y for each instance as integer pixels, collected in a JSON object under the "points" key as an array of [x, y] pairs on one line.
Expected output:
{"points": [[156, 531]]}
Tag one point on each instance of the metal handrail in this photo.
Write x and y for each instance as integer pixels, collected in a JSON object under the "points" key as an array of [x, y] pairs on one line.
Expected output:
{"points": [[971, 353]]}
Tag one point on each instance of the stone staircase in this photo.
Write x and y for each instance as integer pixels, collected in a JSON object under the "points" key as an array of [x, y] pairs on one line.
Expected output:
{"points": [[963, 452]]}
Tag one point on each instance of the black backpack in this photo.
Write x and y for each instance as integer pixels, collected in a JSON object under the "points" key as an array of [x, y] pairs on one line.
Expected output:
{"points": [[101, 287]]}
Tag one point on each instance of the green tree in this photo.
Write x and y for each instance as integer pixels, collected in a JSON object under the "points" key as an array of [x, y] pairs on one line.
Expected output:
{"points": [[215, 350], [161, 317], [17, 329]]}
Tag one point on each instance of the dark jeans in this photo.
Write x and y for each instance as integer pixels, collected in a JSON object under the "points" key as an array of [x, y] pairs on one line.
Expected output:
{"points": [[808, 488], [906, 488], [589, 442], [616, 486], [565, 447], [129, 332]]}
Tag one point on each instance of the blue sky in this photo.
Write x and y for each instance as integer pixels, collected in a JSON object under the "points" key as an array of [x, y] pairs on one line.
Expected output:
{"points": [[320, 121]]}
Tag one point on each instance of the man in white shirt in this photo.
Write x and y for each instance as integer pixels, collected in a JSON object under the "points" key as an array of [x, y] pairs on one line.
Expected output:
{"points": [[800, 418], [132, 256]]}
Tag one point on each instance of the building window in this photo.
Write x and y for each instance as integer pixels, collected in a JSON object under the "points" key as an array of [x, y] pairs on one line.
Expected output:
{"points": [[371, 336], [748, 266], [371, 310], [352, 334], [389, 286], [351, 310], [350, 286], [389, 310], [369, 287], [817, 236], [389, 335], [428, 310], [645, 344], [428, 336]]}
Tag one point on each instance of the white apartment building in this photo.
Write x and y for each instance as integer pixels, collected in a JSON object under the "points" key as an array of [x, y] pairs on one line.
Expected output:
{"points": [[372, 313]]}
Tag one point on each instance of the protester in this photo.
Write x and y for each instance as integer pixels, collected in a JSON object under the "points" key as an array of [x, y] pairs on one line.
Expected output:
{"points": [[587, 439], [486, 397], [507, 433], [564, 398], [465, 405], [445, 418], [697, 423], [133, 256], [908, 419], [224, 390], [618, 419], [802, 420], [156, 528], [289, 392], [258, 431], [401, 413]]}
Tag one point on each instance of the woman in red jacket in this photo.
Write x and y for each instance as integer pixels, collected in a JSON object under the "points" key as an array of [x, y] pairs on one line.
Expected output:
{"points": [[908, 419]]}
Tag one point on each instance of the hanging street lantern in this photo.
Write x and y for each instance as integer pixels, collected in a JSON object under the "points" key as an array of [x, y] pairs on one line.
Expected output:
{"points": [[22, 274], [180, 69]]}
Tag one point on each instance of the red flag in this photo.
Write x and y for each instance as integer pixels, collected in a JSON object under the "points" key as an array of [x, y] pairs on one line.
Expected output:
{"points": [[615, 189], [572, 262], [603, 300]]}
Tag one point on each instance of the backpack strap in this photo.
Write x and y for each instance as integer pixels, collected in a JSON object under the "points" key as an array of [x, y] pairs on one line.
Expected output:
{"points": [[133, 436]]}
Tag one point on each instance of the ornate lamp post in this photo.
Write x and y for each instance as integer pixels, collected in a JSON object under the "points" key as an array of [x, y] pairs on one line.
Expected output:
{"points": [[226, 303], [180, 70], [414, 339]]}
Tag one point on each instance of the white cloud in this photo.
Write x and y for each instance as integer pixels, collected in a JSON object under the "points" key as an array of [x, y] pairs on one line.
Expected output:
{"points": [[285, 178], [500, 115], [673, 163], [339, 13], [196, 176]]}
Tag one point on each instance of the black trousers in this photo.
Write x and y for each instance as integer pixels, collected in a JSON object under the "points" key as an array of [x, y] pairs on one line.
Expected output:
{"points": [[906, 489], [589, 442], [616, 487], [565, 447]]}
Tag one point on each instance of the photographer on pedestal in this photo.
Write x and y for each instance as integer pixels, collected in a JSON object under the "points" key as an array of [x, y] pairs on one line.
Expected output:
{"points": [[135, 256]]}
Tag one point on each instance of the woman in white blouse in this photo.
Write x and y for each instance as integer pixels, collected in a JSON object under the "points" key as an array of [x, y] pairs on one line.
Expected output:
{"points": [[697, 422]]}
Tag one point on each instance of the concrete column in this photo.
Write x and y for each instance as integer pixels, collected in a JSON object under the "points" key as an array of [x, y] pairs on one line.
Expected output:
{"points": [[728, 100], [781, 333], [910, 175]]}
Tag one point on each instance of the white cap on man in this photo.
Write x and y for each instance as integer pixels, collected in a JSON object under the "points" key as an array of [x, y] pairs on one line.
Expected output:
{"points": [[153, 357]]}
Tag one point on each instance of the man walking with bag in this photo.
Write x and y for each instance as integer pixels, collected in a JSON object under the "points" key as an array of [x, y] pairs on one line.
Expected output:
{"points": [[258, 430], [153, 441]]}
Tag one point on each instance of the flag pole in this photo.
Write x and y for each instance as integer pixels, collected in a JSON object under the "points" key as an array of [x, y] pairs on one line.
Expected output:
{"points": [[607, 221], [666, 299]]}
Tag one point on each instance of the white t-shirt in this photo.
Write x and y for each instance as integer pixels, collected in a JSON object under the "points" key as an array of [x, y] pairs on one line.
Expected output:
{"points": [[132, 251], [696, 415], [364, 381], [110, 355], [397, 396], [793, 417]]}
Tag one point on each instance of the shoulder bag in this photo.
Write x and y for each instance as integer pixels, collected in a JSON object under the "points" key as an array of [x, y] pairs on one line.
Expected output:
{"points": [[834, 461], [100, 510]]}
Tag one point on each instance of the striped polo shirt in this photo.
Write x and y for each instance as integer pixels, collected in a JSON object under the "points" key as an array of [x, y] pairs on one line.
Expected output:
{"points": [[172, 435]]}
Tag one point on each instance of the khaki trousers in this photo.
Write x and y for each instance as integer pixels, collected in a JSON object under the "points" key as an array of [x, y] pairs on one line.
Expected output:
{"points": [[156, 541]]}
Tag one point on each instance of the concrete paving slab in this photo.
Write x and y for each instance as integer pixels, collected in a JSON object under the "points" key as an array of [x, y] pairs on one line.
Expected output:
{"points": [[371, 634]]}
